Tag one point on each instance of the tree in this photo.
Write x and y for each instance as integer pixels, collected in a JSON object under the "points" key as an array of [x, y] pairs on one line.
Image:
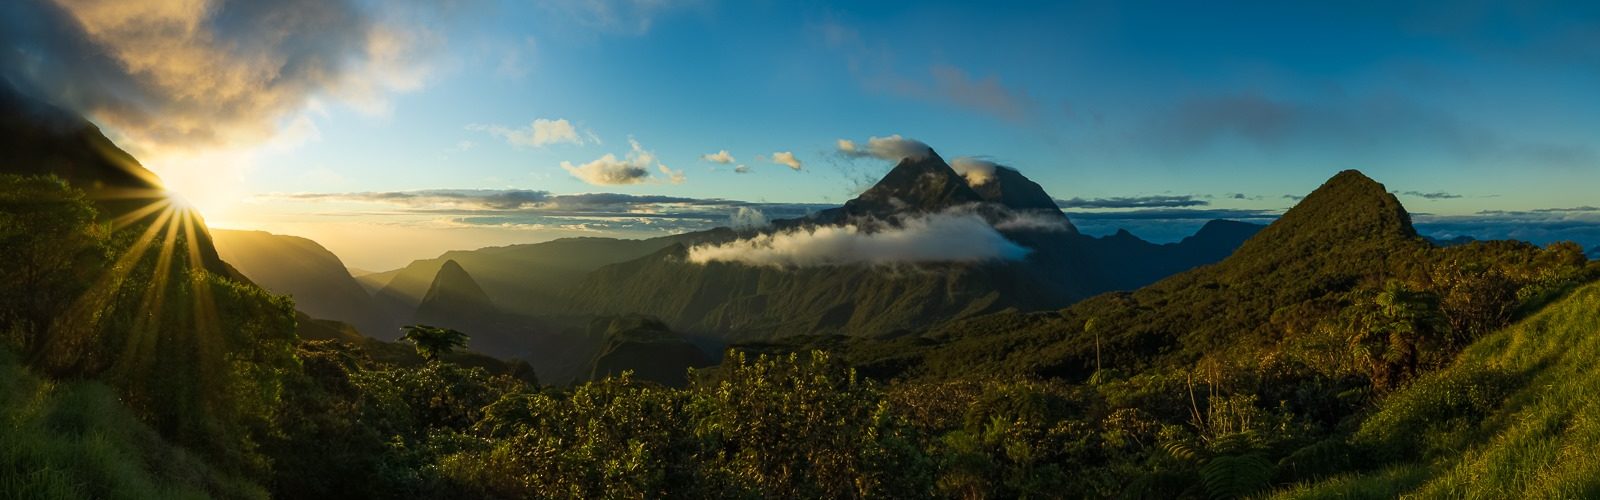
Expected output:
{"points": [[1390, 330], [432, 341]]}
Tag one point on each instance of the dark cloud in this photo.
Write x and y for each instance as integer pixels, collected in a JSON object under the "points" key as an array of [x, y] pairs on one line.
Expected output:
{"points": [[1437, 195], [234, 70], [1378, 125], [1155, 201]]}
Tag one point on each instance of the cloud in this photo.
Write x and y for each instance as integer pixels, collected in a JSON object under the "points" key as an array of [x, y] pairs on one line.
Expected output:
{"points": [[985, 95], [741, 169], [1541, 226], [521, 209], [892, 148], [673, 176], [618, 17], [1382, 126], [722, 157], [785, 158], [1431, 196], [871, 62], [540, 133], [210, 73], [1155, 201], [977, 171], [747, 218], [942, 237], [608, 170]]}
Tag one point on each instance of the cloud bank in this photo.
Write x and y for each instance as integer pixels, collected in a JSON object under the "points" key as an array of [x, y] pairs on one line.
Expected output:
{"points": [[1156, 201], [891, 148], [942, 237]]}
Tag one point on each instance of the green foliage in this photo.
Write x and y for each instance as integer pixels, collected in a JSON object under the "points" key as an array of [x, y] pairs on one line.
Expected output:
{"points": [[69, 440], [432, 341]]}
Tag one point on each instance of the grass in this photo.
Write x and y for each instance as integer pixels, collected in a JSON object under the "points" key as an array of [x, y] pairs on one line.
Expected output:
{"points": [[71, 440], [1517, 416]]}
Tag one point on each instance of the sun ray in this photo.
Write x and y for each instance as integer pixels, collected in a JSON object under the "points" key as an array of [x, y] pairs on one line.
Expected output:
{"points": [[206, 319], [146, 330], [140, 214], [82, 325]]}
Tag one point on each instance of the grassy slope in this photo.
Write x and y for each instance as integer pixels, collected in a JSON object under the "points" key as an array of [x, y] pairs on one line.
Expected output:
{"points": [[1517, 416], [72, 440]]}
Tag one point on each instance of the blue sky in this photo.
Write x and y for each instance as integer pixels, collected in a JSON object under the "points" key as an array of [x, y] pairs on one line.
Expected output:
{"points": [[1482, 106]]}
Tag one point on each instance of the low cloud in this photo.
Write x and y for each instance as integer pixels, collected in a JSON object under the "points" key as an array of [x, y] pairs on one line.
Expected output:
{"points": [[785, 158], [1123, 202], [540, 133], [891, 148], [1541, 226], [609, 170], [722, 157], [943, 237]]}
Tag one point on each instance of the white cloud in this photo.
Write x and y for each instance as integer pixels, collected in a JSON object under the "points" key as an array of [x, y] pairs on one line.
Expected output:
{"points": [[741, 169], [785, 158], [892, 148], [673, 176], [747, 218], [609, 170], [977, 171], [540, 133], [722, 157], [957, 236]]}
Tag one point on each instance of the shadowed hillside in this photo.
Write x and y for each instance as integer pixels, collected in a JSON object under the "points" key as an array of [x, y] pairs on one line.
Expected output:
{"points": [[305, 271]]}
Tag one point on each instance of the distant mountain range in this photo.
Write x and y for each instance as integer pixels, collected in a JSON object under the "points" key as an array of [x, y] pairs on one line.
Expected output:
{"points": [[1280, 282], [736, 301]]}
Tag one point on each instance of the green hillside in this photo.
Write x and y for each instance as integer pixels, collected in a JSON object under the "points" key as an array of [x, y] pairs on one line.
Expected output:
{"points": [[1516, 416]]}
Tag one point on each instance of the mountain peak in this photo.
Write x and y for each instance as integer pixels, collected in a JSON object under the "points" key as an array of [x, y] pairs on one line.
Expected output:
{"points": [[1350, 207], [1008, 187], [454, 298], [916, 184]]}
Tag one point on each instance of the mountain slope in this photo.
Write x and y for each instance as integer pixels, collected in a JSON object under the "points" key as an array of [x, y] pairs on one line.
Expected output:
{"points": [[525, 279], [644, 346], [304, 270], [1282, 281], [1514, 417]]}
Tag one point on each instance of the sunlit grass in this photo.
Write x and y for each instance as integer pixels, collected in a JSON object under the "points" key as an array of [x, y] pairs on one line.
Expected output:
{"points": [[1536, 438]]}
